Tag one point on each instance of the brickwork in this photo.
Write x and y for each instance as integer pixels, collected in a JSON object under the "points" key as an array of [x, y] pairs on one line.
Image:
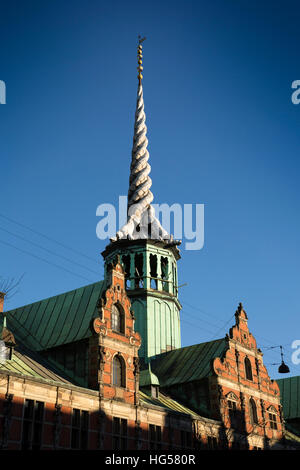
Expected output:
{"points": [[111, 343], [242, 394]]}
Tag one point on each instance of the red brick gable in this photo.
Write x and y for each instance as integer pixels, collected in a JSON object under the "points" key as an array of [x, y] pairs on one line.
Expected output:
{"points": [[242, 382], [243, 345], [109, 343]]}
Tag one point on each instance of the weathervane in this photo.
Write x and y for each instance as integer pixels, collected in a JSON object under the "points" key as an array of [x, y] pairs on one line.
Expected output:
{"points": [[139, 57]]}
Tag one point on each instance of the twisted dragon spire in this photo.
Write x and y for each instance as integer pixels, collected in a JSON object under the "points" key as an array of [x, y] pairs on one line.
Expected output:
{"points": [[141, 222]]}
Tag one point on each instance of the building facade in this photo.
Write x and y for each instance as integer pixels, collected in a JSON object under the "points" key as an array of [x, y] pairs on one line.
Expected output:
{"points": [[102, 367]]}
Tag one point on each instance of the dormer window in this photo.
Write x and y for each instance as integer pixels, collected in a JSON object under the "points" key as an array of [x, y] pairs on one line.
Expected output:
{"points": [[155, 391], [248, 369], [117, 319]]}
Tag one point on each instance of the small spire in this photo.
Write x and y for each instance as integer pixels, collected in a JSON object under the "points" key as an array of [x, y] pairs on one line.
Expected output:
{"points": [[240, 312]]}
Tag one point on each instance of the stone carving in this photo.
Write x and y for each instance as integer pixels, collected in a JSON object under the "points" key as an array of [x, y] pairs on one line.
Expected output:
{"points": [[102, 355], [136, 363]]}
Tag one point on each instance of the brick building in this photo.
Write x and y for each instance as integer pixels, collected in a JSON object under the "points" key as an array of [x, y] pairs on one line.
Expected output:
{"points": [[102, 367]]}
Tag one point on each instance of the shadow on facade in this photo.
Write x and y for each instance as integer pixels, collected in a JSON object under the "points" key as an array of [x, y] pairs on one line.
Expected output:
{"points": [[32, 426]]}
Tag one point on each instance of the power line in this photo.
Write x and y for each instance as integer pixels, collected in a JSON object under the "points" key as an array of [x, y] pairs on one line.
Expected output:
{"points": [[47, 250], [196, 326], [200, 319], [225, 324], [48, 238], [45, 261], [202, 310], [221, 328]]}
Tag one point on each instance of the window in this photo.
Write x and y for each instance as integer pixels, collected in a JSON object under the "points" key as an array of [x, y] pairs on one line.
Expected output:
{"points": [[126, 263], [235, 445], [253, 411], [117, 319], [139, 261], [154, 437], [80, 428], [119, 371], [232, 411], [197, 442], [273, 420], [153, 271], [154, 391], [212, 443], [186, 439], [32, 425], [165, 273], [119, 434], [248, 369], [232, 405]]}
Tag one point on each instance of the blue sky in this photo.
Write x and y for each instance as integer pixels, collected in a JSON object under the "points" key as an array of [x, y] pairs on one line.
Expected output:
{"points": [[222, 132]]}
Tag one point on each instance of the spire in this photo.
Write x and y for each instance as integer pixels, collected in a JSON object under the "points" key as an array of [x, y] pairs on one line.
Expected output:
{"points": [[141, 222], [139, 194]]}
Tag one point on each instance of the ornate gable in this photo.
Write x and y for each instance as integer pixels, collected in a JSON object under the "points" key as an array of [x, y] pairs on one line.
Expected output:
{"points": [[117, 341]]}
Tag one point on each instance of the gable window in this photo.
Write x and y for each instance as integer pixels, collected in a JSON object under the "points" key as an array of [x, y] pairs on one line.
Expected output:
{"points": [[231, 405], [232, 401], [253, 411], [117, 319], [273, 420], [248, 369], [154, 391], [119, 371]]}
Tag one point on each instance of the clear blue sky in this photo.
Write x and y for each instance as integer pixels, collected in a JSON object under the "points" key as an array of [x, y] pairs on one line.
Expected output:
{"points": [[222, 131]]}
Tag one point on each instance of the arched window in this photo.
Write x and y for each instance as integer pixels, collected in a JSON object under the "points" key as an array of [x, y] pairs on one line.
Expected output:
{"points": [[117, 319], [253, 411], [118, 371], [248, 369], [272, 417]]}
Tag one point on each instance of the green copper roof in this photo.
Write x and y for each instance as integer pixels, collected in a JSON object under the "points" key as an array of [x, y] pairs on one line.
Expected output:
{"points": [[187, 364], [57, 320], [290, 396], [30, 364], [147, 378], [168, 403]]}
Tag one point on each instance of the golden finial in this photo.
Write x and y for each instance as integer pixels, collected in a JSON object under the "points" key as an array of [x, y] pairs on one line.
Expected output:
{"points": [[139, 57]]}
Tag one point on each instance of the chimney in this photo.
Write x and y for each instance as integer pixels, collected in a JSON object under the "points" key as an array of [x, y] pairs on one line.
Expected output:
{"points": [[2, 295]]}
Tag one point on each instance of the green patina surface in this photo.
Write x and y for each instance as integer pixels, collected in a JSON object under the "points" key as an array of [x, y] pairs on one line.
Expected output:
{"points": [[167, 403], [188, 364], [153, 291], [31, 364], [290, 397], [56, 321], [66, 318], [147, 378]]}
